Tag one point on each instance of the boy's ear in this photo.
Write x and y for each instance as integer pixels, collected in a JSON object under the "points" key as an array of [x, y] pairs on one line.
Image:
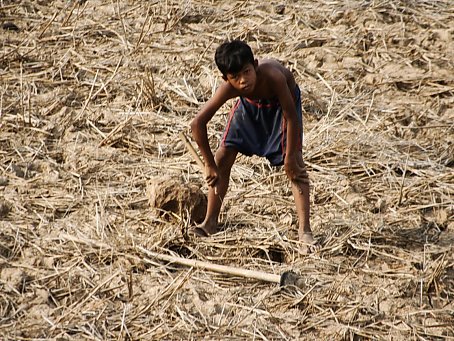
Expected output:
{"points": [[256, 64]]}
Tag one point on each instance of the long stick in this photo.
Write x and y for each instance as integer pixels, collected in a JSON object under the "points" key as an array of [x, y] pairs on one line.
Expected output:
{"points": [[194, 154], [230, 270], [191, 149]]}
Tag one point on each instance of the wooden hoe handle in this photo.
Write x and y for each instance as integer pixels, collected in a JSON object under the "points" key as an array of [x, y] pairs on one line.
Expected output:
{"points": [[192, 150], [230, 270]]}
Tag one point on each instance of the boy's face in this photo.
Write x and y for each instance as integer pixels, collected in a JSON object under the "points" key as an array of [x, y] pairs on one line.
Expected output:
{"points": [[244, 80]]}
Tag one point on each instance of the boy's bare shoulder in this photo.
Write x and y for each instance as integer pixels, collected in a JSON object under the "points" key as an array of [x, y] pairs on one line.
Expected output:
{"points": [[226, 91], [271, 67], [223, 93], [271, 63]]}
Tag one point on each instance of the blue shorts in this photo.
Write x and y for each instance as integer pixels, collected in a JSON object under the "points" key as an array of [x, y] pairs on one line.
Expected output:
{"points": [[258, 127]]}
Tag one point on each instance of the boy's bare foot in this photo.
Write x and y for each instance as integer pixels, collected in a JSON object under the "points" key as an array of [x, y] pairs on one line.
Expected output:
{"points": [[307, 243], [198, 232], [203, 230]]}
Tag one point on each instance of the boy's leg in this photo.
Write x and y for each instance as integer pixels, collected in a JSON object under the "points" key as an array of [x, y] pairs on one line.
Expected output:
{"points": [[300, 192], [301, 195], [225, 157]]}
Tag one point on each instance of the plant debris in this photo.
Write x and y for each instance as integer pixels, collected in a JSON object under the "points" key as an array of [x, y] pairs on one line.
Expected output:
{"points": [[93, 95]]}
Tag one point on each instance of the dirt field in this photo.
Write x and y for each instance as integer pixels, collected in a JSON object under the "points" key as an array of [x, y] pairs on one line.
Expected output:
{"points": [[93, 96]]}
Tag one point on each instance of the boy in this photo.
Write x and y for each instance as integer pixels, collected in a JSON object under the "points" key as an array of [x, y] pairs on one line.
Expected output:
{"points": [[265, 121]]}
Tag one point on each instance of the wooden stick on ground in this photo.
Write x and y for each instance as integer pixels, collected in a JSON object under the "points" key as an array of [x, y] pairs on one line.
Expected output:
{"points": [[230, 270]]}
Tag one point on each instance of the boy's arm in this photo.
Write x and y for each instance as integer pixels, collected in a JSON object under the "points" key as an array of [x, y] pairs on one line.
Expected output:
{"points": [[289, 110], [287, 102], [206, 113]]}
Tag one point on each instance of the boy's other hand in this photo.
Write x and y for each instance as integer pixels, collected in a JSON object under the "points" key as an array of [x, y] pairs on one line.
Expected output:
{"points": [[291, 166], [295, 170], [211, 175]]}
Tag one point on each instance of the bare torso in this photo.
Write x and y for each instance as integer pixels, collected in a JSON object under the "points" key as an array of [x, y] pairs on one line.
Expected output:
{"points": [[263, 88]]}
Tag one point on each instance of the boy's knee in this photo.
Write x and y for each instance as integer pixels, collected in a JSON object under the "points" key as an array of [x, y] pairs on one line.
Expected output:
{"points": [[225, 156]]}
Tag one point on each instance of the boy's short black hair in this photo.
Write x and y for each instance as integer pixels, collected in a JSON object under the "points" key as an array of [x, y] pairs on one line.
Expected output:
{"points": [[232, 56]]}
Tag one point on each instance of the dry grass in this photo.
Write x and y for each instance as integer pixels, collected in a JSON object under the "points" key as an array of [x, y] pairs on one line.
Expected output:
{"points": [[93, 95]]}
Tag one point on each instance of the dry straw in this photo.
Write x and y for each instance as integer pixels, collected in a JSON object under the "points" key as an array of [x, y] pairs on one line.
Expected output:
{"points": [[93, 95]]}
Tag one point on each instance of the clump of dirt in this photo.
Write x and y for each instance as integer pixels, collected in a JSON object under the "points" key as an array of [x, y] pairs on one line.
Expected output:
{"points": [[169, 195]]}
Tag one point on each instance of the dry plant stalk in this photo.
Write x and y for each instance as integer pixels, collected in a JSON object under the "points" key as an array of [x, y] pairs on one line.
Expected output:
{"points": [[93, 95]]}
